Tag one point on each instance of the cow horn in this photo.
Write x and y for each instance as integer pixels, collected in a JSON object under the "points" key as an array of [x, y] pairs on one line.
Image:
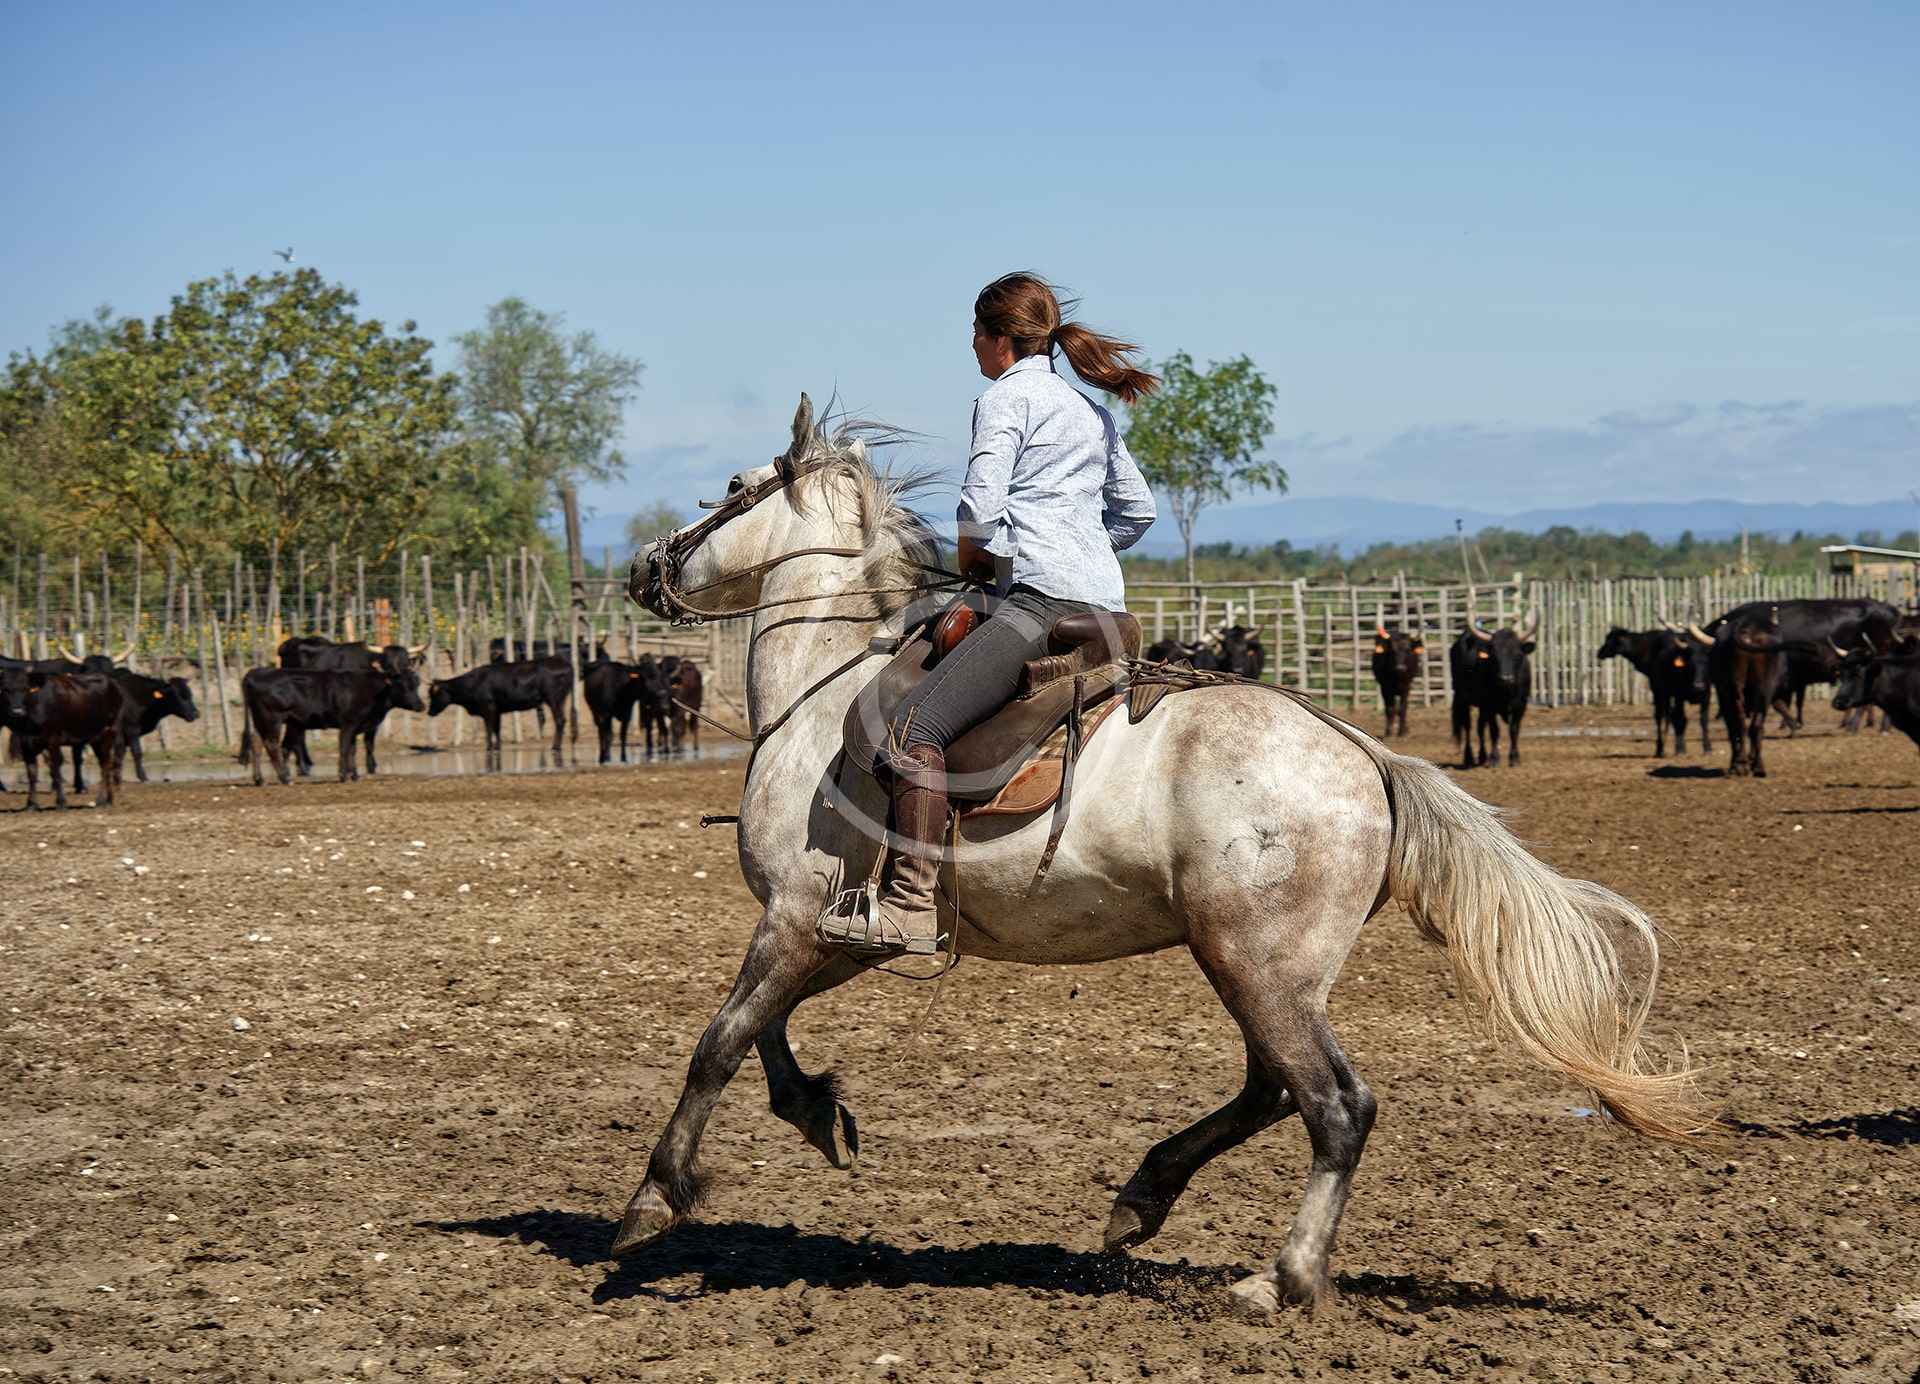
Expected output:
{"points": [[68, 654], [1667, 624], [124, 654], [1840, 652], [1477, 632], [419, 651], [1528, 630], [1699, 633]]}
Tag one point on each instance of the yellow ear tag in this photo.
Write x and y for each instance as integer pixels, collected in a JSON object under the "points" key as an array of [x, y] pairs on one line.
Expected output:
{"points": [[158, 695], [1379, 648], [1485, 655], [1679, 663]]}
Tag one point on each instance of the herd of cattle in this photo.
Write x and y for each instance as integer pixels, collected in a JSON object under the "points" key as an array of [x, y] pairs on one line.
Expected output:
{"points": [[1757, 657], [54, 705]]}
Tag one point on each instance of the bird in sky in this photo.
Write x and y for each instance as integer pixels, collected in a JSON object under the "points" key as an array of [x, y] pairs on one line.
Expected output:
{"points": [[286, 255]]}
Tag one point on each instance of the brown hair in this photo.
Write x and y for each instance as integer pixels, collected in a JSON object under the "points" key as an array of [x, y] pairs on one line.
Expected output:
{"points": [[1025, 308]]}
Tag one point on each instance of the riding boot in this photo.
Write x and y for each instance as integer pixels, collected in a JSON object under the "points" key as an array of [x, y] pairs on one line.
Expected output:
{"points": [[905, 915]]}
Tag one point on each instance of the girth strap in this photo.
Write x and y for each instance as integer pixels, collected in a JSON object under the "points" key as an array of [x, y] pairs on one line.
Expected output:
{"points": [[1062, 803]]}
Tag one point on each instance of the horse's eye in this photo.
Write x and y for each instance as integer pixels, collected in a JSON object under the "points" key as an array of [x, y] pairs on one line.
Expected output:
{"points": [[735, 486]]}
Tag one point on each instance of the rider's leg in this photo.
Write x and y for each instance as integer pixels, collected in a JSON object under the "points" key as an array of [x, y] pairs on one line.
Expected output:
{"points": [[980, 676]]}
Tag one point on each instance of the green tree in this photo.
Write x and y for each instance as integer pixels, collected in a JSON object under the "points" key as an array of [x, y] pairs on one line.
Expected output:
{"points": [[251, 414], [1196, 438], [547, 405], [650, 523]]}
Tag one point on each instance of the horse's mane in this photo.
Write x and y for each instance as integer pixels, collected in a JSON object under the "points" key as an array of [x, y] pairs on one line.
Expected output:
{"points": [[895, 535]]}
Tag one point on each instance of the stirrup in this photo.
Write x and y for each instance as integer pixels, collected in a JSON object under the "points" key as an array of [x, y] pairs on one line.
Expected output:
{"points": [[854, 921]]}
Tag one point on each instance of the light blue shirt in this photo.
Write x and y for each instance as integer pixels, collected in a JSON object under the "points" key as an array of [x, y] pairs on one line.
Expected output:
{"points": [[1051, 489]]}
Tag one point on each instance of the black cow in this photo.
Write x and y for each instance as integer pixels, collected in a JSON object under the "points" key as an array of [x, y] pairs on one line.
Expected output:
{"points": [[494, 689], [1493, 674], [614, 690], [50, 712], [148, 701], [1204, 656], [311, 652], [1890, 681], [1749, 672], [68, 662], [1241, 652], [282, 700], [687, 690], [1678, 667], [1397, 656], [1807, 631]]}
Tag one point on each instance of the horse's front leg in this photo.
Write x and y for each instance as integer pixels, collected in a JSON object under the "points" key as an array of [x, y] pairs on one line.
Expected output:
{"points": [[811, 1104], [781, 958], [1142, 1206]]}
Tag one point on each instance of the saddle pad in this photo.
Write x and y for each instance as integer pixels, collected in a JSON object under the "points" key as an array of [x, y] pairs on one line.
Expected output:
{"points": [[1037, 784]]}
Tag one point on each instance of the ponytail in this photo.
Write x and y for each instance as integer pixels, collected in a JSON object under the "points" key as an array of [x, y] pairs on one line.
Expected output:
{"points": [[1024, 308], [1102, 361]]}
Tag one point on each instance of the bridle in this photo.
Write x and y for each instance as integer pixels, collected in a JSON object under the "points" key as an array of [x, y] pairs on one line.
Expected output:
{"points": [[660, 589]]}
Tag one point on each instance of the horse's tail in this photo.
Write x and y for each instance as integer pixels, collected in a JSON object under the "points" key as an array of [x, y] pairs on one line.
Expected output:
{"points": [[1533, 947]]}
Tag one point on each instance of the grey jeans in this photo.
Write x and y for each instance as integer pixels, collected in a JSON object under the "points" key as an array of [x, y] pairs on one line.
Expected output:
{"points": [[982, 674]]}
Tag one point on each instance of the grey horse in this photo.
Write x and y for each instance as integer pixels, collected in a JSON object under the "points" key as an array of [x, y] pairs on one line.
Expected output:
{"points": [[1248, 826]]}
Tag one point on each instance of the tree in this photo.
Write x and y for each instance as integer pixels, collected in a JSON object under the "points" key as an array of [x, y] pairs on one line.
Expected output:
{"points": [[548, 406], [656, 519], [1195, 439], [252, 415]]}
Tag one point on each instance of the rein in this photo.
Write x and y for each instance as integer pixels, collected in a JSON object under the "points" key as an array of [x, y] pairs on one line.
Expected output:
{"points": [[664, 566]]}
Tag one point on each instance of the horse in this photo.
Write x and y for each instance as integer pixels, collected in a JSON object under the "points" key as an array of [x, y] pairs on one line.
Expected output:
{"points": [[1242, 823]]}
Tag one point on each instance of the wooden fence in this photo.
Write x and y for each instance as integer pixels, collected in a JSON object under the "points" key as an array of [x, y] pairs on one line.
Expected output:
{"points": [[1320, 638], [212, 626]]}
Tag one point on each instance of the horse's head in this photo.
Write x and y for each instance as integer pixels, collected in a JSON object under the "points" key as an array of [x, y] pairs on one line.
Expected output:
{"points": [[718, 566], [718, 563]]}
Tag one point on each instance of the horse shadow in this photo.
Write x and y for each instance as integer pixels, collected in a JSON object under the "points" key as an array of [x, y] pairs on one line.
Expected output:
{"points": [[730, 1256], [1894, 1128], [1685, 771]]}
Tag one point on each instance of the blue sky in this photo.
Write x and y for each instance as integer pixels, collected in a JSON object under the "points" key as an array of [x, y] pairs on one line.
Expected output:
{"points": [[1489, 257]]}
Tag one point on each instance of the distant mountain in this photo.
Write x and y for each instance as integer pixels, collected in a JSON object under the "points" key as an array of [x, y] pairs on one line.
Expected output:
{"points": [[1352, 523]]}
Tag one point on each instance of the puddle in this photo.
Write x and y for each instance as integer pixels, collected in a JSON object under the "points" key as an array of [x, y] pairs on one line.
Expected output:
{"points": [[410, 761]]}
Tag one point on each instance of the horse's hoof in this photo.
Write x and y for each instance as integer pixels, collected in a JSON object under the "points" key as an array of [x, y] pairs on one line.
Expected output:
{"points": [[837, 1137], [1131, 1224], [1256, 1298], [648, 1218]]}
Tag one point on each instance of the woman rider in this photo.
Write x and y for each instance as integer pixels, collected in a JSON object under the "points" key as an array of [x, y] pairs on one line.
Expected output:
{"points": [[1050, 495]]}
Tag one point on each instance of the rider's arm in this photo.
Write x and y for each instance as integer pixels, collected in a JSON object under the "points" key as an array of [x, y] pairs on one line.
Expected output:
{"points": [[999, 431], [1129, 510]]}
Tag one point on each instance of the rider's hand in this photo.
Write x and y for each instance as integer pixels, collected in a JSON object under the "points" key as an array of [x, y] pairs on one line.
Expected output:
{"points": [[974, 560]]}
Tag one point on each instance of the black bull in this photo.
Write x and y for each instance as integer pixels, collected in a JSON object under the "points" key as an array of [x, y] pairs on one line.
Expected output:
{"points": [[1889, 681], [1397, 657], [1492, 674], [1765, 652], [1678, 668], [494, 689], [48, 712], [282, 700], [314, 654]]}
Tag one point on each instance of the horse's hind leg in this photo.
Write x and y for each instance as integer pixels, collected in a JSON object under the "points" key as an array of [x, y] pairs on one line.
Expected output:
{"points": [[1291, 1032], [782, 957], [1142, 1206], [811, 1104]]}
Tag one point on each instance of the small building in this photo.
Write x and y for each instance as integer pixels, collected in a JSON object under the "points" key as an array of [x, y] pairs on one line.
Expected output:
{"points": [[1871, 564]]}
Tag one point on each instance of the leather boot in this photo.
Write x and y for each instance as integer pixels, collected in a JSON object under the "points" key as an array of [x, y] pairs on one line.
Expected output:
{"points": [[905, 916]]}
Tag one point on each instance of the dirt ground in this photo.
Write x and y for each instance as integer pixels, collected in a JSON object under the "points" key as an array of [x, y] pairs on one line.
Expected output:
{"points": [[349, 1082]]}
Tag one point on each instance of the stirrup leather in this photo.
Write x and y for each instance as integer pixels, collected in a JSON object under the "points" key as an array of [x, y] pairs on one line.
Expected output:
{"points": [[854, 921]]}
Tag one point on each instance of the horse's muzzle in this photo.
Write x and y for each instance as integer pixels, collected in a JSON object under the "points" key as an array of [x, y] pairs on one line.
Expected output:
{"points": [[643, 580]]}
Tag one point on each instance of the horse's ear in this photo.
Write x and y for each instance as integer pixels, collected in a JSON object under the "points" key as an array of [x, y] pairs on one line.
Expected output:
{"points": [[802, 429], [857, 449]]}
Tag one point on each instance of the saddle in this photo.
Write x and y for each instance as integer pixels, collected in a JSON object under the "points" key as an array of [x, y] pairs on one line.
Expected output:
{"points": [[1081, 670]]}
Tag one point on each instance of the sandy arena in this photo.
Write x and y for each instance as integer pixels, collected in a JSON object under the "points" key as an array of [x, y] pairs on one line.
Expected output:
{"points": [[352, 1082]]}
